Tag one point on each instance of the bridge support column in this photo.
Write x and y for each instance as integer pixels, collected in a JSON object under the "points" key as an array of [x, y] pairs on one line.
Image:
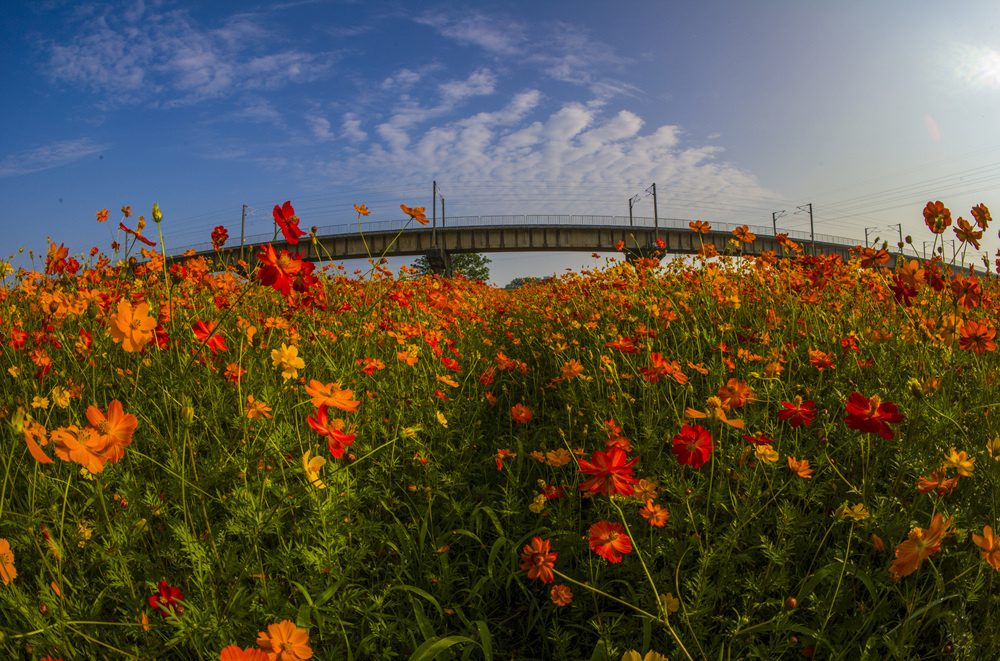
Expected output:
{"points": [[439, 260]]}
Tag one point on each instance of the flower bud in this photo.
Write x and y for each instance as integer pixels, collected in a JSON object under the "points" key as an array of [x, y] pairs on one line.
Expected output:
{"points": [[791, 603], [157, 216]]}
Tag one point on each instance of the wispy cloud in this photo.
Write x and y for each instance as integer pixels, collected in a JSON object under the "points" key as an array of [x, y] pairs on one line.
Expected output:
{"points": [[49, 156], [493, 34], [563, 51], [168, 58]]}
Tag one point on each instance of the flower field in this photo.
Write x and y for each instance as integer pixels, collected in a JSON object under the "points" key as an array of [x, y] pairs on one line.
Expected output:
{"points": [[730, 457]]}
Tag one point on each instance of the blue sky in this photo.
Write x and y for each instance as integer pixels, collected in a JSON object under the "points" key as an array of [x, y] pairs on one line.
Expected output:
{"points": [[734, 110]]}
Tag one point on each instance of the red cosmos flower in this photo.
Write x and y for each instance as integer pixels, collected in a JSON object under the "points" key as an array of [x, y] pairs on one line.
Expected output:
{"points": [[538, 560], [609, 540], [203, 332], [521, 413], [758, 439], [337, 440], [661, 244], [219, 237], [168, 600], [612, 474], [288, 222], [871, 416], [693, 446], [798, 412], [279, 272], [450, 364]]}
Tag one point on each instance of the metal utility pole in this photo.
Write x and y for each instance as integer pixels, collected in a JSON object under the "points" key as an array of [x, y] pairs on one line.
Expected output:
{"points": [[867, 244], [631, 201], [243, 224], [812, 229], [656, 217], [775, 215], [434, 206]]}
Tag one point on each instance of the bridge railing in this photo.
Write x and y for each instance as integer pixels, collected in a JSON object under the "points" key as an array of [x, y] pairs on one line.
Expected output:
{"points": [[503, 221]]}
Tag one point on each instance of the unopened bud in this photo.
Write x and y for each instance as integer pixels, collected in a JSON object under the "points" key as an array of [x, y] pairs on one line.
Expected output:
{"points": [[157, 216]]}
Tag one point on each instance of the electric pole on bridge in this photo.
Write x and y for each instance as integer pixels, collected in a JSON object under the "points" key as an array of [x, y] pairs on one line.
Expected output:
{"points": [[812, 230], [631, 201], [656, 218], [775, 215]]}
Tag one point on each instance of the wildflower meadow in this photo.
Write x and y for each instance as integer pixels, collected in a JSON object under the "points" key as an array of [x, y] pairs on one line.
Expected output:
{"points": [[721, 457]]}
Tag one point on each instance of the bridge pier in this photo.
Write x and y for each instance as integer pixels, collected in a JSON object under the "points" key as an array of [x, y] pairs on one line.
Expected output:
{"points": [[439, 260]]}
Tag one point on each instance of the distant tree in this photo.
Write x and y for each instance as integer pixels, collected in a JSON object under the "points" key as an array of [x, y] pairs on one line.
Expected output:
{"points": [[472, 265], [517, 283]]}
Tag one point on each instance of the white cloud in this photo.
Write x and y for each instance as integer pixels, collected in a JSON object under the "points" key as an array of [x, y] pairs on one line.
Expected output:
{"points": [[48, 156], [320, 127], [480, 83], [148, 56], [352, 128], [576, 143], [497, 36]]}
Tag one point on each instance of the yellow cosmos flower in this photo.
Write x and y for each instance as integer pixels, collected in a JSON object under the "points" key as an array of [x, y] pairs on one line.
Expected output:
{"points": [[766, 454], [312, 467], [961, 461], [287, 360]]}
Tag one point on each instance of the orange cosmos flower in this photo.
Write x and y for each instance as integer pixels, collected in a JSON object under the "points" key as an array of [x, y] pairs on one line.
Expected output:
{"points": [[937, 217], [920, 545], [521, 413], [416, 213], [989, 544], [978, 337], [7, 569], [133, 329], [700, 226], [84, 446], [115, 429], [820, 360], [656, 515], [982, 215], [102, 215], [234, 653], [966, 234], [571, 369], [284, 642], [331, 394], [937, 483], [877, 543], [744, 234], [561, 595], [611, 471], [361, 209], [206, 333], [34, 435], [609, 540], [800, 468], [735, 394], [538, 560], [257, 410], [501, 455]]}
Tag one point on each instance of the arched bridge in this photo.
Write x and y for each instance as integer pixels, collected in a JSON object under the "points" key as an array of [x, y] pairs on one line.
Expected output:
{"points": [[578, 233]]}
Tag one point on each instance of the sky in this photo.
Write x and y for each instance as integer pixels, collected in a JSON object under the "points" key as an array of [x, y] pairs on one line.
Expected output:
{"points": [[735, 110]]}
